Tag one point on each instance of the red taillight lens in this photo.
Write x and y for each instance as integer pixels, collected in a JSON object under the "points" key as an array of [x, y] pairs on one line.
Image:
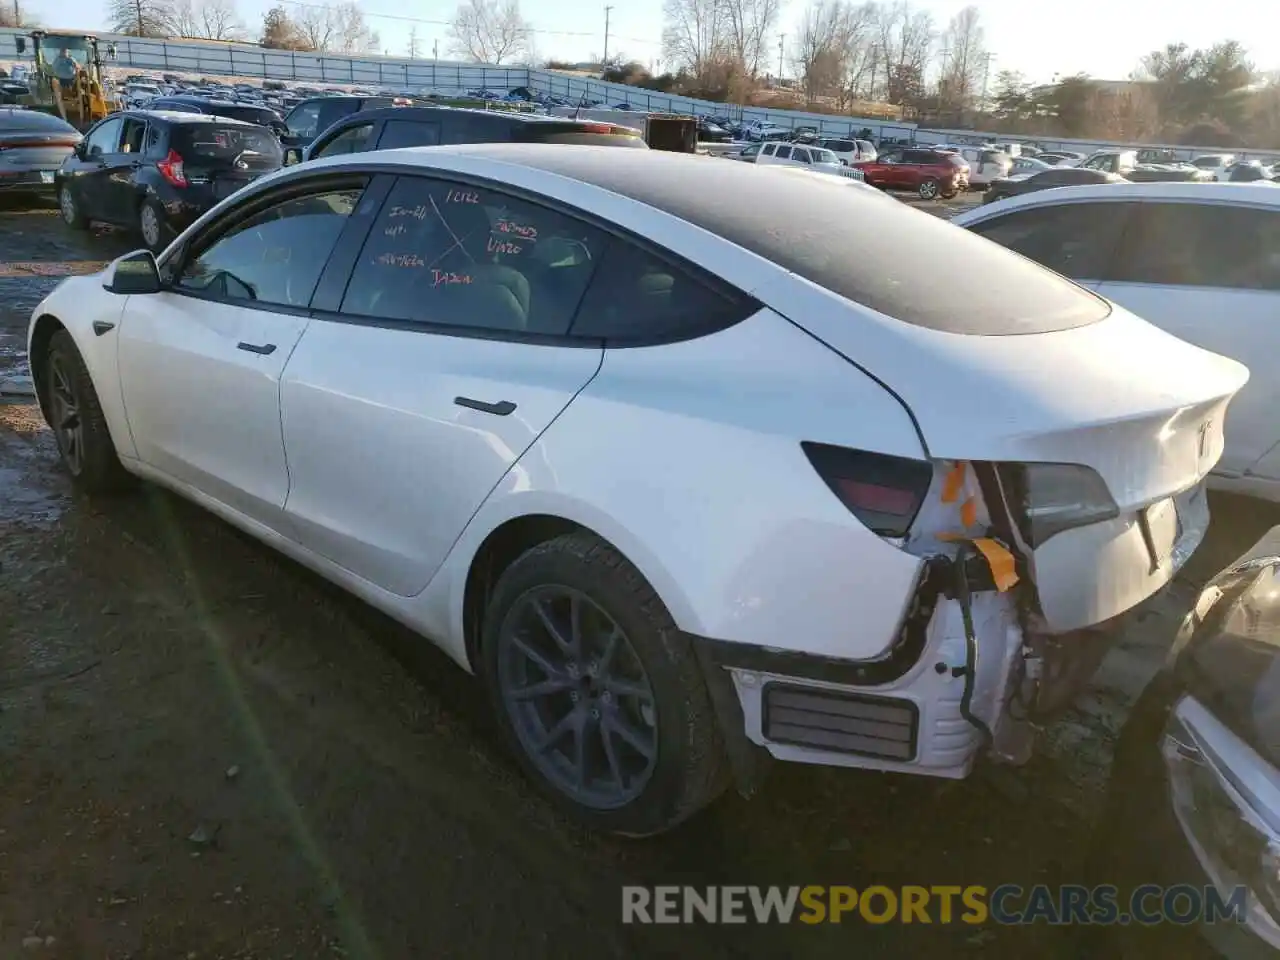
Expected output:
{"points": [[172, 170], [882, 491]]}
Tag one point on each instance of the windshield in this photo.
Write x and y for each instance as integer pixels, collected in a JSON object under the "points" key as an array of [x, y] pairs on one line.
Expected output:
{"points": [[75, 48], [1207, 163]]}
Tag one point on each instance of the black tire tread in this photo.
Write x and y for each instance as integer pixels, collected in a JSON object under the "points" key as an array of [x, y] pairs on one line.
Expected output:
{"points": [[705, 773], [102, 471]]}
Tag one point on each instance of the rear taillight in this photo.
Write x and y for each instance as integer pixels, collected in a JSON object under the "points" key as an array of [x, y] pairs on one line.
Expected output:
{"points": [[171, 169], [1056, 497], [882, 491]]}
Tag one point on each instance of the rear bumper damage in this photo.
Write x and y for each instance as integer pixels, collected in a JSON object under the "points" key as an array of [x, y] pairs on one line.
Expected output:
{"points": [[953, 689]]}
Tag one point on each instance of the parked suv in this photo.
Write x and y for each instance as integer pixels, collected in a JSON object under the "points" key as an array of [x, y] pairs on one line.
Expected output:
{"points": [[313, 116], [928, 173], [429, 126], [262, 116], [156, 172]]}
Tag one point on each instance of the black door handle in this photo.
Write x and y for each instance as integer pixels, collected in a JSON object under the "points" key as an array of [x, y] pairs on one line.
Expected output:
{"points": [[500, 409], [262, 348], [102, 326]]}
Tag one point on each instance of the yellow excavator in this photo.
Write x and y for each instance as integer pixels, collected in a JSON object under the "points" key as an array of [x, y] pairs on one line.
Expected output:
{"points": [[67, 78]]}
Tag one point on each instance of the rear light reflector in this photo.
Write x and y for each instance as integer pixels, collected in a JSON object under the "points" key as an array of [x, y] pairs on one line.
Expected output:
{"points": [[171, 168], [884, 492]]}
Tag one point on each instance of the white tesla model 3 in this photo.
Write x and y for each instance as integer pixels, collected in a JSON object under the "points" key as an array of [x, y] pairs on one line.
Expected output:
{"points": [[690, 471]]}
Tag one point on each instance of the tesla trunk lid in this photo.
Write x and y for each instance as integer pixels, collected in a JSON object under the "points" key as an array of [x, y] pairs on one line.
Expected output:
{"points": [[1139, 406]]}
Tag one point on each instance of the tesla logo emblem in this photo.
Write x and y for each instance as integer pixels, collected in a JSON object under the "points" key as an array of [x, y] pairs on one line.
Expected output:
{"points": [[1204, 437]]}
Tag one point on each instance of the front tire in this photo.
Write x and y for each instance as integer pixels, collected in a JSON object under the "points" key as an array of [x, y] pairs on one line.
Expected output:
{"points": [[75, 415], [928, 189], [72, 215], [597, 692]]}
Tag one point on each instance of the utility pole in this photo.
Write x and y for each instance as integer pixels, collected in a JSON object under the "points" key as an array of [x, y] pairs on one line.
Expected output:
{"points": [[435, 49], [138, 5], [782, 46], [605, 57], [17, 14]]}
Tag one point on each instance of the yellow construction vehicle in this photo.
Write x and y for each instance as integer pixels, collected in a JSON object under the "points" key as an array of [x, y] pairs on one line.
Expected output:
{"points": [[67, 78]]}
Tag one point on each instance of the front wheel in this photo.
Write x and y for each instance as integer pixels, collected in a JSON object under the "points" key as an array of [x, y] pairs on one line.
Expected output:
{"points": [[75, 414], [597, 692], [928, 189]]}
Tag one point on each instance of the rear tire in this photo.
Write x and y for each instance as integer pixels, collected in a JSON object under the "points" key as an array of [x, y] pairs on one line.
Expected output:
{"points": [[620, 732], [71, 213], [73, 411], [152, 225]]}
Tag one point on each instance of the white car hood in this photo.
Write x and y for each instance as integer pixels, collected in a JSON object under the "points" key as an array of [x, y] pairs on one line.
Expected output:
{"points": [[1141, 407]]}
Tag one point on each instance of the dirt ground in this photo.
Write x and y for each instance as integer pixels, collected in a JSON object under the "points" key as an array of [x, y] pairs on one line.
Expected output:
{"points": [[206, 752]]}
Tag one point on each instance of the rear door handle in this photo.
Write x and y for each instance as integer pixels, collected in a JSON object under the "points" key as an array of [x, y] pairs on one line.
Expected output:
{"points": [[262, 348], [500, 409]]}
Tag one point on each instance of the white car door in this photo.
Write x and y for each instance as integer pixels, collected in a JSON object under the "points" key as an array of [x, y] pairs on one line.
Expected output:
{"points": [[200, 363], [416, 389], [1210, 273]]}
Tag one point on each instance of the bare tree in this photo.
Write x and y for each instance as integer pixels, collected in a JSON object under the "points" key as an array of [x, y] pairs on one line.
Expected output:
{"points": [[219, 20], [693, 33], [281, 32], [352, 32], [904, 48], [316, 26], [489, 31], [819, 50], [966, 60], [749, 25], [140, 18]]}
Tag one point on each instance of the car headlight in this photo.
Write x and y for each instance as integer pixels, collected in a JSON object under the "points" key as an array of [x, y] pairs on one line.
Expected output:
{"points": [[1227, 801]]}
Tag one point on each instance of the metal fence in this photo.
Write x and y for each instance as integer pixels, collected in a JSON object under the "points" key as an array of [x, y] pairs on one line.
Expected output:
{"points": [[204, 58]]}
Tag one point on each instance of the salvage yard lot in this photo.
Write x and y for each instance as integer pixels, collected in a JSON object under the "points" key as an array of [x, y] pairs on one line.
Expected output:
{"points": [[207, 752]]}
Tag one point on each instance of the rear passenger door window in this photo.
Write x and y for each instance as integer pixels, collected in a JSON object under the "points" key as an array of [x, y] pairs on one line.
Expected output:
{"points": [[638, 297], [275, 257], [351, 140], [1201, 245], [451, 255], [408, 133], [1078, 240]]}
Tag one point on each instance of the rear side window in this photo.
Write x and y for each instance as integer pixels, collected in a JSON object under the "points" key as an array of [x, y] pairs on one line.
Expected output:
{"points": [[274, 257], [213, 141], [839, 146], [1078, 240], [351, 140], [1202, 245], [636, 296], [408, 133], [784, 153], [459, 256]]}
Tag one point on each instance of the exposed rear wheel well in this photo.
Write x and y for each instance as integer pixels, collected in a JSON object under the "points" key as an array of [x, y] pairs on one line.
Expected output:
{"points": [[500, 549], [46, 326]]}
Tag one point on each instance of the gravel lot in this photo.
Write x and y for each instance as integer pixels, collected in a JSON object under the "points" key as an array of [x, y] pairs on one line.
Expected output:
{"points": [[207, 752]]}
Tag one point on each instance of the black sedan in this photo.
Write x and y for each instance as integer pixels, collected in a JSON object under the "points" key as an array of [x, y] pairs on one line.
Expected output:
{"points": [[33, 146], [709, 132], [1057, 177], [1194, 800]]}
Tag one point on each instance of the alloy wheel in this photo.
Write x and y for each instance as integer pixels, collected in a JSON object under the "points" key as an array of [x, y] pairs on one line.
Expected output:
{"points": [[578, 697], [150, 225], [928, 190], [67, 205], [68, 426]]}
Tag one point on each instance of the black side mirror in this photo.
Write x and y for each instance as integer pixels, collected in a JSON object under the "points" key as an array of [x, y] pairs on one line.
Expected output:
{"points": [[134, 274], [291, 156]]}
